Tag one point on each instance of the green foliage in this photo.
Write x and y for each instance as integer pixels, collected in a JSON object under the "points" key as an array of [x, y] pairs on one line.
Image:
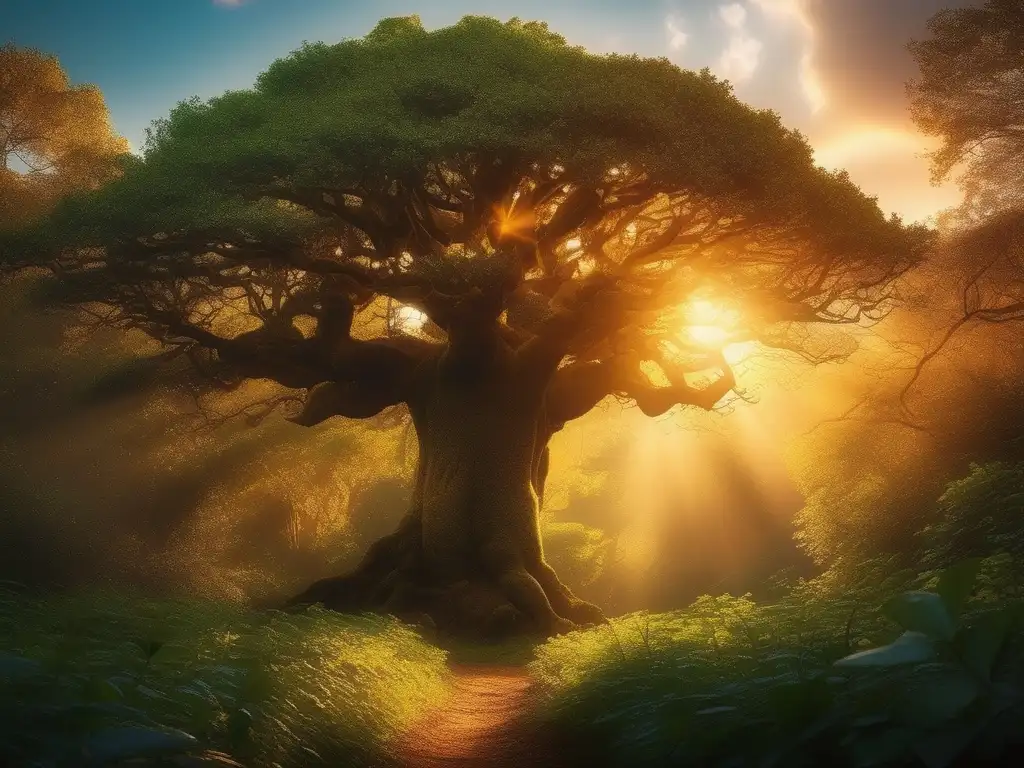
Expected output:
{"points": [[579, 553], [145, 492], [60, 131], [864, 496], [93, 680], [363, 113], [973, 50], [979, 515], [729, 682], [846, 522]]}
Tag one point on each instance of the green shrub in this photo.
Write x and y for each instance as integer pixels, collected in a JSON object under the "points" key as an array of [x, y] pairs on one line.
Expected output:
{"points": [[803, 682], [979, 515], [579, 553], [91, 680]]}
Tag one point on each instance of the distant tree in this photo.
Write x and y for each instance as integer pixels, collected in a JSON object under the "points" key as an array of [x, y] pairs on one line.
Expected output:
{"points": [[54, 137], [493, 229], [980, 517], [971, 96]]}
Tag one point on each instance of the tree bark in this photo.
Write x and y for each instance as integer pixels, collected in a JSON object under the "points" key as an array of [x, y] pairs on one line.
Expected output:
{"points": [[468, 556]]}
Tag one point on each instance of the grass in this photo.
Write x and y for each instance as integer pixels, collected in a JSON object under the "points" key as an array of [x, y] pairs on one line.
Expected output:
{"points": [[730, 682], [810, 679], [90, 679]]}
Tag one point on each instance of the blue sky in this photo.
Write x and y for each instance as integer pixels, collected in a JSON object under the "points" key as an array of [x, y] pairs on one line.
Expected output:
{"points": [[833, 68]]}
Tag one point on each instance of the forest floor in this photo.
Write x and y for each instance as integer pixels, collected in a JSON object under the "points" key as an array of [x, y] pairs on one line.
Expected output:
{"points": [[485, 722]]}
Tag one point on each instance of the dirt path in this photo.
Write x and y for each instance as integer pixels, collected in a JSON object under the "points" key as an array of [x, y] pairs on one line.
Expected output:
{"points": [[481, 724]]}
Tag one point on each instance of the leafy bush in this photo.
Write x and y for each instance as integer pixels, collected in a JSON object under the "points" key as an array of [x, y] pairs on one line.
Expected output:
{"points": [[849, 524], [92, 680], [729, 682], [980, 515], [579, 553]]}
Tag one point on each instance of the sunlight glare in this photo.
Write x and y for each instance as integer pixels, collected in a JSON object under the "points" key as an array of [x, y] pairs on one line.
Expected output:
{"points": [[410, 319], [512, 225], [736, 353], [712, 327], [708, 335], [585, 265]]}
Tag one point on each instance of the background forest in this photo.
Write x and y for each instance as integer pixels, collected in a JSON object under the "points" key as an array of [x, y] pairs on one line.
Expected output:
{"points": [[743, 551]]}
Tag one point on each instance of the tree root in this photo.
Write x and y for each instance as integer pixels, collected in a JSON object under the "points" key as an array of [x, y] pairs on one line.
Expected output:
{"points": [[390, 580]]}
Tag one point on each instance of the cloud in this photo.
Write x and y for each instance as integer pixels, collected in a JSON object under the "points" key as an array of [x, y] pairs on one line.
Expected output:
{"points": [[734, 15], [780, 7], [676, 36], [796, 12], [852, 65], [889, 162], [230, 3], [742, 53], [739, 60], [868, 140], [810, 84], [860, 51], [855, 59]]}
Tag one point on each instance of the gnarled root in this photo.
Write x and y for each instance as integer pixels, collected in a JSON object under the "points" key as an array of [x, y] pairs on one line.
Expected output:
{"points": [[369, 585], [505, 599]]}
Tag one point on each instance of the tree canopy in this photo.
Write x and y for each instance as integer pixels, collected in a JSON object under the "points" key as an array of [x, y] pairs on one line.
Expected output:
{"points": [[54, 137], [366, 198], [969, 96]]}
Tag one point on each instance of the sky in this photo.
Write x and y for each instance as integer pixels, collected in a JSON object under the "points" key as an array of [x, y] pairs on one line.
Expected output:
{"points": [[835, 69]]}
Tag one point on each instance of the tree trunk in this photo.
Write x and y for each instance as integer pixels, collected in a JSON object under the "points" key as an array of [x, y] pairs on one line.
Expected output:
{"points": [[468, 558]]}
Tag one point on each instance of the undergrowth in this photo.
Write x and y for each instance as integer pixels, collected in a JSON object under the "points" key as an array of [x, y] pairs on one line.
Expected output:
{"points": [[810, 680], [93, 680]]}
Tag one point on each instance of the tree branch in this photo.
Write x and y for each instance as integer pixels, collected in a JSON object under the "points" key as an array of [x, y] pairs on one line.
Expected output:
{"points": [[577, 388]]}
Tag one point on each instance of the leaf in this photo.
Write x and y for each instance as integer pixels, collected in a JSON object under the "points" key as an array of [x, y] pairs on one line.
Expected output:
{"points": [[981, 642], [257, 684], [18, 667], [956, 583], [122, 681], [149, 693], [715, 710], [869, 721], [103, 690], [239, 726], [801, 702], [170, 653], [887, 747], [941, 748], [208, 759], [939, 697], [783, 656], [908, 648], [1001, 730], [148, 647], [923, 612], [121, 743]]}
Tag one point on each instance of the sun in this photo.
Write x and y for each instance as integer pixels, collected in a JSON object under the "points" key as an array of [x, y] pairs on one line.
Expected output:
{"points": [[708, 335], [713, 326], [513, 224], [709, 324], [410, 319]]}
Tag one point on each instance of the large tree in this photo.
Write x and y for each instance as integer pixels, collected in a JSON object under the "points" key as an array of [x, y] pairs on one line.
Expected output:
{"points": [[970, 96], [492, 229], [54, 136]]}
